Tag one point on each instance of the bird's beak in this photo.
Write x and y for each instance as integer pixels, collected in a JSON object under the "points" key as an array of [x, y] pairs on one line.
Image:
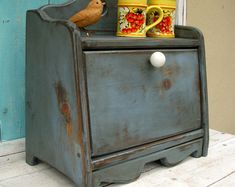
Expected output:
{"points": [[103, 3]]}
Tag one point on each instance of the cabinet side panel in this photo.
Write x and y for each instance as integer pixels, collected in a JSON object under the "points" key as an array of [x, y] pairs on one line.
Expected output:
{"points": [[52, 122], [192, 32]]}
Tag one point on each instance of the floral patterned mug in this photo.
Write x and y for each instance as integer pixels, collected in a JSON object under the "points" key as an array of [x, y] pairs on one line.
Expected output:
{"points": [[164, 29], [132, 18]]}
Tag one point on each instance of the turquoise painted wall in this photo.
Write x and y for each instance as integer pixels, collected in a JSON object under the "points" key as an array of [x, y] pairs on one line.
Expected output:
{"points": [[12, 65]]}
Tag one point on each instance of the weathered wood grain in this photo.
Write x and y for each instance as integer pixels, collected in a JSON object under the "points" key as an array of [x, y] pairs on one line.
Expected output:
{"points": [[12, 65], [226, 181], [12, 147], [216, 170], [8, 171]]}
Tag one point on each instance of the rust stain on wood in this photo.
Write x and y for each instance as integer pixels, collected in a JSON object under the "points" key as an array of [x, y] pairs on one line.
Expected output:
{"points": [[64, 106], [167, 71], [80, 135], [166, 84], [199, 88], [172, 70]]}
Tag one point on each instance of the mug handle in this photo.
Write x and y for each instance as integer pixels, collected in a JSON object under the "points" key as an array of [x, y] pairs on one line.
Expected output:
{"points": [[160, 11]]}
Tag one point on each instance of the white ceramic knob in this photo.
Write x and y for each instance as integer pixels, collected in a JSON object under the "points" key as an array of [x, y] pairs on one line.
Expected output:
{"points": [[158, 59]]}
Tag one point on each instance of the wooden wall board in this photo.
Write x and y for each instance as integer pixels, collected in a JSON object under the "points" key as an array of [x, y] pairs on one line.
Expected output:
{"points": [[215, 170], [57, 1], [12, 65], [12, 147]]}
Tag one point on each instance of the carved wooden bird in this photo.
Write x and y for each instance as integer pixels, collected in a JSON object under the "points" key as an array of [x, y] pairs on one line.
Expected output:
{"points": [[90, 15]]}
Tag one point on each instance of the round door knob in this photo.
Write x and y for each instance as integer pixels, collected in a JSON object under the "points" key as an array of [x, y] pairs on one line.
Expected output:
{"points": [[158, 59]]}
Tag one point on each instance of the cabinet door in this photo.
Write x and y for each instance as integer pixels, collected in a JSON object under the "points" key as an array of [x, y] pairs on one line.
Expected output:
{"points": [[132, 103]]}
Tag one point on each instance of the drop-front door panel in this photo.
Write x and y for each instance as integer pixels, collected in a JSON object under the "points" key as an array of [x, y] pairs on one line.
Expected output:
{"points": [[131, 102]]}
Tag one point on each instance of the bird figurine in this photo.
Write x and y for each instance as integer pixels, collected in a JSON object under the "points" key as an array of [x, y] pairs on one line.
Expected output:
{"points": [[90, 15]]}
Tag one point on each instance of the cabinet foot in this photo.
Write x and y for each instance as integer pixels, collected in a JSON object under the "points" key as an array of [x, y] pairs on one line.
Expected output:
{"points": [[197, 154], [169, 163], [31, 160]]}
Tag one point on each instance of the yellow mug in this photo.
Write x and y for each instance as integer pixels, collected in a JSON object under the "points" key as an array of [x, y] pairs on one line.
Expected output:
{"points": [[132, 18], [164, 29]]}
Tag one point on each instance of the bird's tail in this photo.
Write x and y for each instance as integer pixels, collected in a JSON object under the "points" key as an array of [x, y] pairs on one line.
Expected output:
{"points": [[73, 19]]}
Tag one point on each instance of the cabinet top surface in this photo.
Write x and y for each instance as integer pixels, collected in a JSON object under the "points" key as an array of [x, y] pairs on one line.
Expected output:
{"points": [[113, 42]]}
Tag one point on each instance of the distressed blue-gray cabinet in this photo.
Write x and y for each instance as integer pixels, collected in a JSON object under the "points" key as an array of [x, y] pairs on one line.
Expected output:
{"points": [[98, 111]]}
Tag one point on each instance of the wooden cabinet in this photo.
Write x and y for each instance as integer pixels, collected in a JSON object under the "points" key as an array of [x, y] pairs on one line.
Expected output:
{"points": [[98, 110]]}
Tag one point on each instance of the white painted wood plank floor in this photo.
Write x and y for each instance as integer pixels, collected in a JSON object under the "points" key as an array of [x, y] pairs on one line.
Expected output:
{"points": [[216, 170]]}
